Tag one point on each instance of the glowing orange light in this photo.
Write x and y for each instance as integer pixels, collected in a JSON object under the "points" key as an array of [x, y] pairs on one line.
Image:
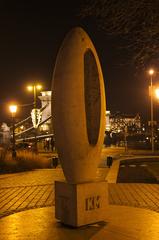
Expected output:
{"points": [[13, 108], [30, 88], [151, 72], [157, 93], [39, 87]]}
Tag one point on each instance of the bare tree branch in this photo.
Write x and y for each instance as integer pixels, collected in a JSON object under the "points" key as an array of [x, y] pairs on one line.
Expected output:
{"points": [[134, 21]]}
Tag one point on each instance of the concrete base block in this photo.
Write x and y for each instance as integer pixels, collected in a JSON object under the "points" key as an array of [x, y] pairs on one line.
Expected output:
{"points": [[81, 204]]}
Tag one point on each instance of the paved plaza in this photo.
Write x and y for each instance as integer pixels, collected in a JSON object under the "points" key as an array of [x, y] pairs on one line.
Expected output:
{"points": [[132, 212], [35, 189]]}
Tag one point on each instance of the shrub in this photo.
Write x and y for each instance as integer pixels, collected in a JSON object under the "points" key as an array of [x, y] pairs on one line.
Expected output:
{"points": [[28, 160], [24, 161], [7, 164]]}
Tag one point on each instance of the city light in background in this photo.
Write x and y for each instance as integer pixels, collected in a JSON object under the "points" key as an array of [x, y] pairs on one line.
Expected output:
{"points": [[157, 93]]}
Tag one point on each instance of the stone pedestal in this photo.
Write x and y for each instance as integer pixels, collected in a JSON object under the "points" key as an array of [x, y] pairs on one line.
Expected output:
{"points": [[81, 204]]}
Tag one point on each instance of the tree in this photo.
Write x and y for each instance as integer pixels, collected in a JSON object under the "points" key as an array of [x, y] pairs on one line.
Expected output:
{"points": [[135, 22]]}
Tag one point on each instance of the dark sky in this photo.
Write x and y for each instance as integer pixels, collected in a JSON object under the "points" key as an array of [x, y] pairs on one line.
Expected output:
{"points": [[30, 36]]}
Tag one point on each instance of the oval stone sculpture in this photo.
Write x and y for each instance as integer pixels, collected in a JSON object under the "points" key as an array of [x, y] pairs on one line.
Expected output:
{"points": [[78, 107]]}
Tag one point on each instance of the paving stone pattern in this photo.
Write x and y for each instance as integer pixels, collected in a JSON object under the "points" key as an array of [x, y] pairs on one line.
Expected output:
{"points": [[35, 189]]}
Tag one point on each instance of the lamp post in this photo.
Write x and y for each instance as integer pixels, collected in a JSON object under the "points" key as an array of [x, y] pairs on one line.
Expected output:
{"points": [[35, 88], [13, 110], [151, 72]]}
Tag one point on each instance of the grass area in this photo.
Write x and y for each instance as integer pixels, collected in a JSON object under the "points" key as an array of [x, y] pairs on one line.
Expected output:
{"points": [[24, 161]]}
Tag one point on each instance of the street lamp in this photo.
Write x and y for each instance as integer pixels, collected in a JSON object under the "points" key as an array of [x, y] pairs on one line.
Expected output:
{"points": [[13, 110], [35, 88], [151, 73]]}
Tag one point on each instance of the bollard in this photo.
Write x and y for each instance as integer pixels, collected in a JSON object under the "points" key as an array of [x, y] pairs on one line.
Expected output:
{"points": [[109, 161], [54, 162]]}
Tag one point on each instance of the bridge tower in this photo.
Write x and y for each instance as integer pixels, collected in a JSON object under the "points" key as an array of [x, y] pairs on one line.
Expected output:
{"points": [[46, 104]]}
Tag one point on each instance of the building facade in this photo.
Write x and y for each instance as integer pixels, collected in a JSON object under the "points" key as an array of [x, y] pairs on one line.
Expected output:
{"points": [[123, 122]]}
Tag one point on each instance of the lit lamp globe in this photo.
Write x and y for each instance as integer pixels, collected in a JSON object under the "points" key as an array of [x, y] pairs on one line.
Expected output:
{"points": [[36, 87], [30, 88], [151, 72], [13, 109]]}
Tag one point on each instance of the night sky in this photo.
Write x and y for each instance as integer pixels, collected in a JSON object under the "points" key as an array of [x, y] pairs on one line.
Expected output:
{"points": [[30, 36]]}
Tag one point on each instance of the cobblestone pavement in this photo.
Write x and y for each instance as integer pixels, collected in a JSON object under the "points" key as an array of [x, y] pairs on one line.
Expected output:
{"points": [[35, 189]]}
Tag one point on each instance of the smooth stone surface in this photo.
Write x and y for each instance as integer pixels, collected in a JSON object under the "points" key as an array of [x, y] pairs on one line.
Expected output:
{"points": [[81, 204], [78, 107], [122, 223]]}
